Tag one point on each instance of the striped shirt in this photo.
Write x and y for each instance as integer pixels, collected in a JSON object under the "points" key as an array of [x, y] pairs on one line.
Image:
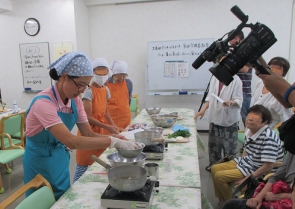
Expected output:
{"points": [[246, 78], [263, 146]]}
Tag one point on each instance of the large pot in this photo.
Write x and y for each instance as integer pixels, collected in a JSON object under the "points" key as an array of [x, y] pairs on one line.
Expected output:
{"points": [[116, 159], [148, 137], [126, 178]]}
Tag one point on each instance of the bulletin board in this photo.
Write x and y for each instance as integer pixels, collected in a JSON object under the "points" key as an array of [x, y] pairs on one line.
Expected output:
{"points": [[34, 61], [170, 65]]}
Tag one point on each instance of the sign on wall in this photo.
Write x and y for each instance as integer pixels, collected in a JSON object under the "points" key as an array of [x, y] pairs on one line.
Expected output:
{"points": [[170, 65], [59, 49], [35, 60]]}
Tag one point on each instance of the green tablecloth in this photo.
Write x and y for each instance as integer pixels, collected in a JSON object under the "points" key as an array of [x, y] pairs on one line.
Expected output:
{"points": [[179, 188]]}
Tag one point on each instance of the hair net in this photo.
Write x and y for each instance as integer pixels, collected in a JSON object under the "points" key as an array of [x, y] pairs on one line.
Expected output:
{"points": [[74, 64], [118, 67], [100, 62]]}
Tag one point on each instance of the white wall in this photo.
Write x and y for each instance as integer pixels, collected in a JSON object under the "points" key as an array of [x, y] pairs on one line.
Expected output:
{"points": [[82, 27], [57, 24], [122, 32]]}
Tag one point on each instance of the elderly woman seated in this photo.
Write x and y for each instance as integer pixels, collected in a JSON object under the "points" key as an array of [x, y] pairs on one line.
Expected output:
{"points": [[262, 149]]}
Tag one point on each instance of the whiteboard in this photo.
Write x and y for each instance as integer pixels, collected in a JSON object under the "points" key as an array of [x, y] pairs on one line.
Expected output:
{"points": [[170, 65], [35, 60]]}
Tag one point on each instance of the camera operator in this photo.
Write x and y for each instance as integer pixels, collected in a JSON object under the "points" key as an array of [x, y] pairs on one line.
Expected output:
{"points": [[223, 118], [245, 74]]}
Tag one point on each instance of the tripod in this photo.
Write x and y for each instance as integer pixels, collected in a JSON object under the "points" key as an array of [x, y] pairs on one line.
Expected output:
{"points": [[205, 94]]}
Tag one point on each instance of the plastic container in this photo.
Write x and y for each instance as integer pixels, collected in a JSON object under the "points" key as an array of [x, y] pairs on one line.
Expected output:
{"points": [[15, 108]]}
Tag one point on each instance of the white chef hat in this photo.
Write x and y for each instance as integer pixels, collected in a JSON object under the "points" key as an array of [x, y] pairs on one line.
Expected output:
{"points": [[118, 67], [100, 62]]}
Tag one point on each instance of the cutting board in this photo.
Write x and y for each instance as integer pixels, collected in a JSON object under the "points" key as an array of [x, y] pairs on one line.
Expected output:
{"points": [[174, 140]]}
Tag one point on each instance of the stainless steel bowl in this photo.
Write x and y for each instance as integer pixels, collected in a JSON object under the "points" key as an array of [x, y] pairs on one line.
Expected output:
{"points": [[131, 153], [153, 110], [147, 137], [174, 113], [156, 129], [116, 160], [164, 120]]}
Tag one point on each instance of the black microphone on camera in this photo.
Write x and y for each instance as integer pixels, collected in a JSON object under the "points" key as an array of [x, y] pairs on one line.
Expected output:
{"points": [[207, 55]]}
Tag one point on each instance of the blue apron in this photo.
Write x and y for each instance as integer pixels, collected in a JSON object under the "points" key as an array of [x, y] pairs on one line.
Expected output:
{"points": [[45, 155]]}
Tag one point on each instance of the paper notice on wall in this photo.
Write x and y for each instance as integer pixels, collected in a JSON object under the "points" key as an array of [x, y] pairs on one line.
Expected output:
{"points": [[169, 69], [60, 49], [182, 69]]}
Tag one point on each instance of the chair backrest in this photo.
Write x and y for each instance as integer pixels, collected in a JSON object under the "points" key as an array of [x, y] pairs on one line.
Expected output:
{"points": [[35, 201], [241, 136], [134, 106], [13, 124], [42, 198]]}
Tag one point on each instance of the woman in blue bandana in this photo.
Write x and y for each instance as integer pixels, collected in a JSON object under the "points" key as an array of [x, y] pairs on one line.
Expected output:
{"points": [[50, 118]]}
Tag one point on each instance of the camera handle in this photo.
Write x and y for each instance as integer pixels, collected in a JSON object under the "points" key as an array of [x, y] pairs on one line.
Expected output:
{"points": [[205, 94], [259, 67]]}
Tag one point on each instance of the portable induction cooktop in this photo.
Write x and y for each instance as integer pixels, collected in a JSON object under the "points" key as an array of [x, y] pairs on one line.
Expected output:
{"points": [[142, 198], [155, 151]]}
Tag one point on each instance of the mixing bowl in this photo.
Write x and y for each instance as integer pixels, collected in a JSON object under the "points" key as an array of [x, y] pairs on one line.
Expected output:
{"points": [[164, 120], [156, 129], [148, 137], [131, 153], [153, 110]]}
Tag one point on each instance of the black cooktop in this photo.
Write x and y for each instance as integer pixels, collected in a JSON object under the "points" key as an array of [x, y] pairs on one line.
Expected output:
{"points": [[155, 148], [143, 194]]}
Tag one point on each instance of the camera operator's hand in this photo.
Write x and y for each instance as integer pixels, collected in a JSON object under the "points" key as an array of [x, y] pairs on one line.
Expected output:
{"points": [[277, 85], [274, 83], [261, 61]]}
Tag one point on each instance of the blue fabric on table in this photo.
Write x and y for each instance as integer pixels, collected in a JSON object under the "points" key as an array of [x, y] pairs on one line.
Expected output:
{"points": [[177, 127]]}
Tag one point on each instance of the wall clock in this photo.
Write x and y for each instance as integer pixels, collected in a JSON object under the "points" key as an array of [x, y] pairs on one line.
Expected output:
{"points": [[32, 26]]}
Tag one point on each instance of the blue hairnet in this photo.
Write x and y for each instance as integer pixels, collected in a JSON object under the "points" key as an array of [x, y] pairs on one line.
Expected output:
{"points": [[74, 64]]}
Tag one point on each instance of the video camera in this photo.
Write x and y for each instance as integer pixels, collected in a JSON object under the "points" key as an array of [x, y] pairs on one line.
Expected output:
{"points": [[260, 39]]}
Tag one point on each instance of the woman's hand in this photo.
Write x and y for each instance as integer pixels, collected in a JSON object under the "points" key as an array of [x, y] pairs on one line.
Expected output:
{"points": [[239, 182], [293, 197], [254, 203], [269, 196], [119, 136], [113, 129], [121, 129], [228, 103], [201, 114]]}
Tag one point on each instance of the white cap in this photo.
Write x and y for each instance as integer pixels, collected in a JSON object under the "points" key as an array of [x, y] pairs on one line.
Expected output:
{"points": [[119, 67], [100, 62]]}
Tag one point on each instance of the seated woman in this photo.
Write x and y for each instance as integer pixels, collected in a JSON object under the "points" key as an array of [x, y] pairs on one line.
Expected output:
{"points": [[262, 96], [285, 173], [263, 148]]}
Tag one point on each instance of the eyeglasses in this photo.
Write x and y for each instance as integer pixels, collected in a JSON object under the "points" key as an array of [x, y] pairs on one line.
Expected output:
{"points": [[276, 69], [80, 88]]}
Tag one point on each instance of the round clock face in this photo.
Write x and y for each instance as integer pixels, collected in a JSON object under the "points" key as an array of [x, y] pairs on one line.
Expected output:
{"points": [[32, 26]]}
